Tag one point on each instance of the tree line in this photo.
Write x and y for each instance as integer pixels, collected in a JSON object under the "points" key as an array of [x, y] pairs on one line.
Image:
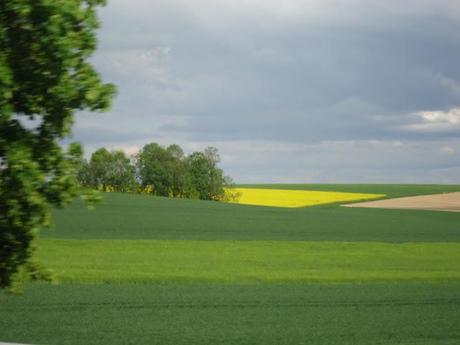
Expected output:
{"points": [[158, 170]]}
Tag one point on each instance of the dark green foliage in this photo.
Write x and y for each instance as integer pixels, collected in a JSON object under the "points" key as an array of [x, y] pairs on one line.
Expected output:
{"points": [[128, 216], [107, 170], [164, 170], [199, 173], [207, 179], [44, 78], [346, 314], [179, 179], [168, 172], [158, 170]]}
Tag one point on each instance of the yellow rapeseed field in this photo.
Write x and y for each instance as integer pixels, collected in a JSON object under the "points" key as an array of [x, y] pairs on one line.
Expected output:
{"points": [[296, 198]]}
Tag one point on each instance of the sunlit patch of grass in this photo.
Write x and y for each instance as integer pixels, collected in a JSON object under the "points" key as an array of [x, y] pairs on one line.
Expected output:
{"points": [[248, 261], [296, 198]]}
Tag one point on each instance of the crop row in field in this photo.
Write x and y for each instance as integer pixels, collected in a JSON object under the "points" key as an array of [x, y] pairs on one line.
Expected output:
{"points": [[296, 198]]}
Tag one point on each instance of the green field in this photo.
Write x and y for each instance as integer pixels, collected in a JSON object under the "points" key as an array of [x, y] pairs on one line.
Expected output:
{"points": [[269, 314], [249, 261], [142, 269], [128, 216]]}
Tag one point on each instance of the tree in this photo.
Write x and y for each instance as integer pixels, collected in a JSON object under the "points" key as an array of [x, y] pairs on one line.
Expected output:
{"points": [[121, 175], [84, 174], [150, 164], [170, 173], [107, 170], [164, 169], [99, 168], [180, 178], [207, 178], [44, 77]]}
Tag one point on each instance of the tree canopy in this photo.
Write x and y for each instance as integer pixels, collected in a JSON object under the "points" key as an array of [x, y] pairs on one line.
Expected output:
{"points": [[44, 77], [158, 170], [209, 180], [107, 170]]}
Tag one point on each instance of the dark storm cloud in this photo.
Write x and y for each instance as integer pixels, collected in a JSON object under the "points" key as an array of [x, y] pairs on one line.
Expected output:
{"points": [[301, 73]]}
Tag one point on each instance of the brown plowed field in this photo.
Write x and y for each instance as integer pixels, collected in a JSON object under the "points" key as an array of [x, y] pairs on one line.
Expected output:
{"points": [[437, 202]]}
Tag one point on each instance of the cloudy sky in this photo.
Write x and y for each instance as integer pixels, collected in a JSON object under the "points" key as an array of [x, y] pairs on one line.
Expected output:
{"points": [[288, 91]]}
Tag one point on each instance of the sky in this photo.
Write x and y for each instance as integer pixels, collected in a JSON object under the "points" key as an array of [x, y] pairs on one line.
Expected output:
{"points": [[292, 91]]}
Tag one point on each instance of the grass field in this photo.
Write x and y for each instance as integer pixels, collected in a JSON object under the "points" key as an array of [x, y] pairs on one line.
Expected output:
{"points": [[125, 216], [141, 269], [249, 261], [269, 314]]}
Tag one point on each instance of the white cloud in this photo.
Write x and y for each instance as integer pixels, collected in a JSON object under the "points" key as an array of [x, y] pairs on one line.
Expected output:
{"points": [[435, 121], [448, 150], [451, 116]]}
